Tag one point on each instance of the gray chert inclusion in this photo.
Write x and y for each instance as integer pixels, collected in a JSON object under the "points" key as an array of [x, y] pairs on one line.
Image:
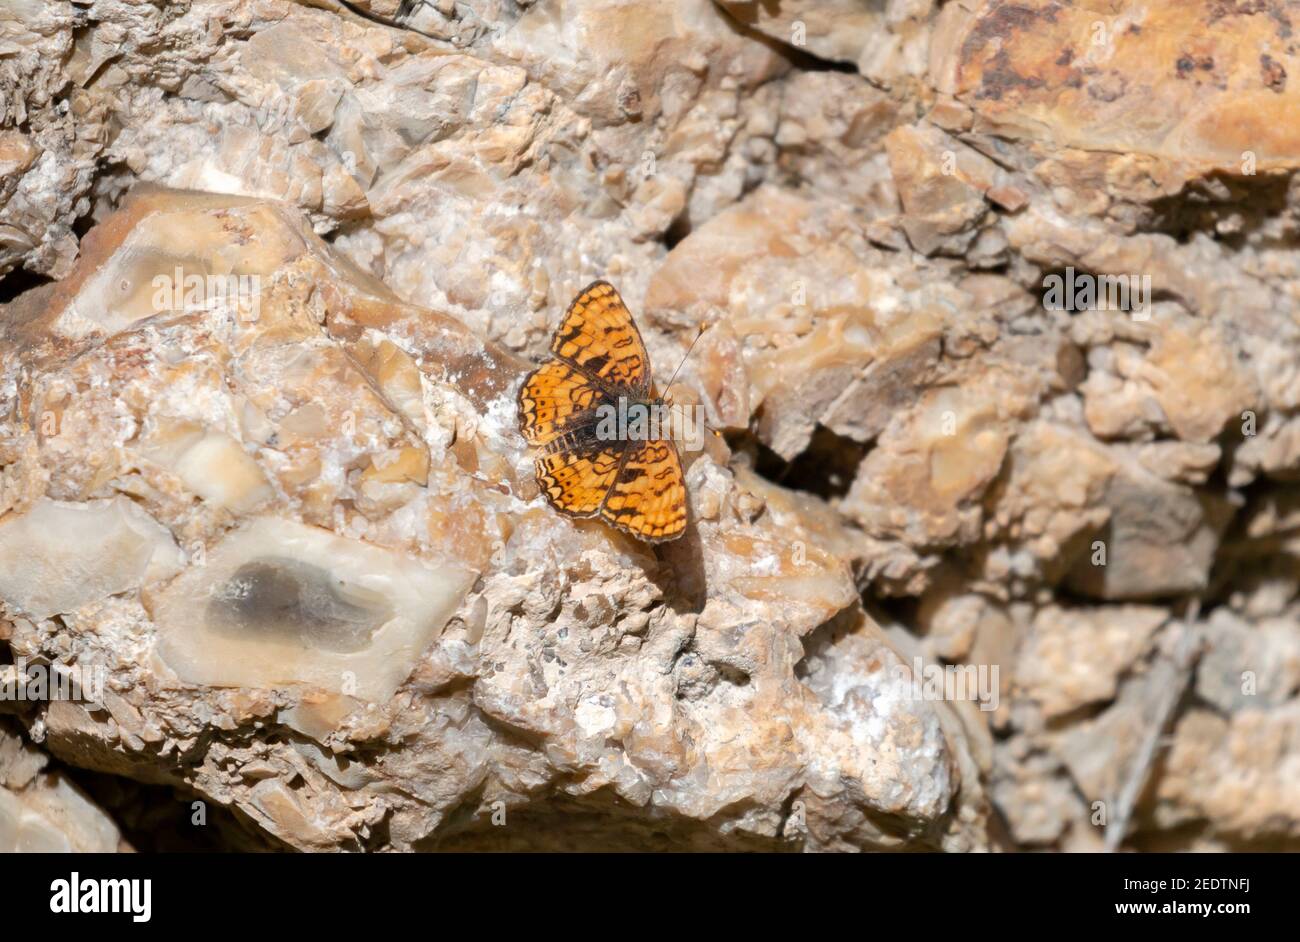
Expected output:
{"points": [[290, 600]]}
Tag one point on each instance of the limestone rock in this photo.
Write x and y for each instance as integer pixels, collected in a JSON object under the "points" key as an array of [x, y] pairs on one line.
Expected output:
{"points": [[887, 42], [271, 273], [1073, 658], [1170, 79], [1249, 666], [400, 581], [280, 602], [1160, 540], [941, 184], [1237, 772], [50, 140], [829, 138], [41, 811]]}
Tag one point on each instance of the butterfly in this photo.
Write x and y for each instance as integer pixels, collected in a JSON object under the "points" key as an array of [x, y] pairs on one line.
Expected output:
{"points": [[600, 369]]}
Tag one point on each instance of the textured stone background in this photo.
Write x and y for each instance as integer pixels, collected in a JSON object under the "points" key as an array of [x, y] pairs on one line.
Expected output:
{"points": [[921, 459]]}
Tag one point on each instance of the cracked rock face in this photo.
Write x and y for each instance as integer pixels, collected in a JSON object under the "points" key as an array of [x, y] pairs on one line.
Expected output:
{"points": [[41, 811], [428, 641], [273, 273]]}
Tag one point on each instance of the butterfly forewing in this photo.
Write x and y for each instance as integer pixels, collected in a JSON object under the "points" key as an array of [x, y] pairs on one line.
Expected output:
{"points": [[599, 337]]}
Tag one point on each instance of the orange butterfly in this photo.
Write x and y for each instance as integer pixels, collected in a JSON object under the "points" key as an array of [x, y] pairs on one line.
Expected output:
{"points": [[600, 369]]}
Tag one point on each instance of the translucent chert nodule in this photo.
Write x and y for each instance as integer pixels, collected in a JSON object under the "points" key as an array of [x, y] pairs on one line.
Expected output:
{"points": [[60, 556], [209, 463], [298, 602], [283, 603]]}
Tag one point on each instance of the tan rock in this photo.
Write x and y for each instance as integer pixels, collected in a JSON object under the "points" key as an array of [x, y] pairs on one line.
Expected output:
{"points": [[1160, 540], [937, 180], [831, 331], [923, 482], [1050, 499], [278, 602], [1186, 81], [887, 46], [1237, 772], [1073, 658], [1249, 666], [1197, 383], [868, 203], [829, 137], [41, 811], [402, 582]]}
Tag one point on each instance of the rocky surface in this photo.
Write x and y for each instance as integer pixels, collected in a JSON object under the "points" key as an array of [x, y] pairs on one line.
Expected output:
{"points": [[274, 274], [41, 811]]}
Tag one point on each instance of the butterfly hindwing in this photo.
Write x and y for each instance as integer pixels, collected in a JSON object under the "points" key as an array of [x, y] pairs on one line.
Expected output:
{"points": [[576, 471], [648, 496]]}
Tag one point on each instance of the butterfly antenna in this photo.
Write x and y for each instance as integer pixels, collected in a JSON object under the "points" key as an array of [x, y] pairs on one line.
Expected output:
{"points": [[685, 357], [698, 335]]}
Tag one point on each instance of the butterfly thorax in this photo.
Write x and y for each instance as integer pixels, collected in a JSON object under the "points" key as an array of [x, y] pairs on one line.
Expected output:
{"points": [[632, 419]]}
